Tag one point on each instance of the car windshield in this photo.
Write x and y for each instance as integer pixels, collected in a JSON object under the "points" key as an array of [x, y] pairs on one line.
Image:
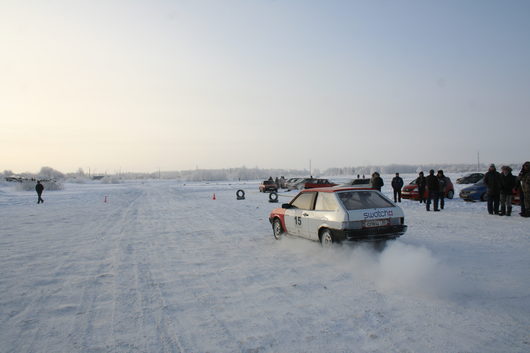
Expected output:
{"points": [[359, 200]]}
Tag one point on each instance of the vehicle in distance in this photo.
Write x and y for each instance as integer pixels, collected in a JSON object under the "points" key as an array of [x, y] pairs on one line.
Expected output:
{"points": [[318, 183], [470, 178], [410, 191], [358, 183], [334, 215], [292, 183], [475, 192], [479, 192], [268, 186]]}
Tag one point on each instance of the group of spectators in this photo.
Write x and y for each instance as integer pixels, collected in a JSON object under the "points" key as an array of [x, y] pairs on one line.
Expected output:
{"points": [[435, 186], [501, 187]]}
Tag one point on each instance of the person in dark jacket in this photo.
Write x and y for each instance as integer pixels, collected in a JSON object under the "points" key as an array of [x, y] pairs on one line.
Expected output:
{"points": [[492, 179], [397, 184], [39, 188], [377, 182], [442, 181], [433, 185], [421, 182], [524, 185], [508, 183]]}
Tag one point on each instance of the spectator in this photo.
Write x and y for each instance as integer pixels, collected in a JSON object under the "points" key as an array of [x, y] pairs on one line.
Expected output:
{"points": [[421, 182], [508, 183], [397, 184], [492, 179], [39, 188], [433, 185], [442, 181], [377, 182], [524, 179]]}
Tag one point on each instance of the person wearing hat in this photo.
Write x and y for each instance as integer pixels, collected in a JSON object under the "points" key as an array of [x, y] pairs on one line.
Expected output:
{"points": [[492, 180], [508, 183]]}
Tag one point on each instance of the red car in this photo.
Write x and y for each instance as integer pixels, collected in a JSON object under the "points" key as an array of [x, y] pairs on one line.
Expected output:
{"points": [[268, 186], [318, 183], [411, 191]]}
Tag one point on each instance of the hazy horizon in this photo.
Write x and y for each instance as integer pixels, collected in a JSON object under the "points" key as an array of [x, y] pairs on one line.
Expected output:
{"points": [[175, 85]]}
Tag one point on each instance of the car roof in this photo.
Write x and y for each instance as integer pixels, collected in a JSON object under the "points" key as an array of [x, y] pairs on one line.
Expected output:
{"points": [[336, 189]]}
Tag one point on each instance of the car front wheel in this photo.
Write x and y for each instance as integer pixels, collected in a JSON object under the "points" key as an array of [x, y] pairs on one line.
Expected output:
{"points": [[326, 238], [277, 229]]}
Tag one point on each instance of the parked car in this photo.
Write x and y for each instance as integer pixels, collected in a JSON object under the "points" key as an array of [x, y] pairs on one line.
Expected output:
{"points": [[475, 192], [479, 192], [268, 186], [410, 191], [470, 178], [318, 183], [333, 215], [359, 183], [292, 183]]}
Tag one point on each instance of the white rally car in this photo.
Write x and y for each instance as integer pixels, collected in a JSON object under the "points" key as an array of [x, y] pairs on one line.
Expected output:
{"points": [[339, 214]]}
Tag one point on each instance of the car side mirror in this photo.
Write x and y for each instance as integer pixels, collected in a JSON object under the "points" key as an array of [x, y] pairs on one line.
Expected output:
{"points": [[287, 205]]}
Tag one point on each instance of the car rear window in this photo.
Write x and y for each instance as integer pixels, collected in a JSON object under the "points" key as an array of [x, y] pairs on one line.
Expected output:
{"points": [[359, 200]]}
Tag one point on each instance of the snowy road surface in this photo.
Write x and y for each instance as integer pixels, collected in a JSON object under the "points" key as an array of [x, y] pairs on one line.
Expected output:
{"points": [[162, 267]]}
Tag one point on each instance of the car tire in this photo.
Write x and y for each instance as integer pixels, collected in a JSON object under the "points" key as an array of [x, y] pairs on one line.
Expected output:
{"points": [[277, 229], [484, 197], [450, 194], [326, 238]]}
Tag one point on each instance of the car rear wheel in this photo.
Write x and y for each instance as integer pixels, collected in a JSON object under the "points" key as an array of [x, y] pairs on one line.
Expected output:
{"points": [[450, 194], [277, 229], [484, 197], [326, 238]]}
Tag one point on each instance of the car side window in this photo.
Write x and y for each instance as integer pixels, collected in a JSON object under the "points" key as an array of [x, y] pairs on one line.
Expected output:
{"points": [[304, 201], [326, 201]]}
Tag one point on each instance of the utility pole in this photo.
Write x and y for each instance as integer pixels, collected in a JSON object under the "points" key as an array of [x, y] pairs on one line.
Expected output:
{"points": [[478, 161], [310, 175]]}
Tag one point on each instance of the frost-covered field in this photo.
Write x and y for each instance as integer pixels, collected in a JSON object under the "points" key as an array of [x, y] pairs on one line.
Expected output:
{"points": [[162, 267]]}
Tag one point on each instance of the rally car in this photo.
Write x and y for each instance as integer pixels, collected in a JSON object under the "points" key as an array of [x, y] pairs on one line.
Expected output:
{"points": [[333, 215]]}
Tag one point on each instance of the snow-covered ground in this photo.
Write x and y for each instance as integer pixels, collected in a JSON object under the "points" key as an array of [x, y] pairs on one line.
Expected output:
{"points": [[161, 267]]}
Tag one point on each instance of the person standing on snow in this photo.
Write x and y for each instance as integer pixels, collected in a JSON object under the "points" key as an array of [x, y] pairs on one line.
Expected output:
{"points": [[524, 179], [39, 188], [377, 182], [442, 181], [397, 184], [508, 183], [492, 179], [433, 185], [421, 182]]}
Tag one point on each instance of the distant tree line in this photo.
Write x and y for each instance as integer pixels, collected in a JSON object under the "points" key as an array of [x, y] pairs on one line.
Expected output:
{"points": [[244, 173]]}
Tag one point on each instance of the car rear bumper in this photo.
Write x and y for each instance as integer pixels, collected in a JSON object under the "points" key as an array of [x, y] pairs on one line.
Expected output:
{"points": [[371, 234]]}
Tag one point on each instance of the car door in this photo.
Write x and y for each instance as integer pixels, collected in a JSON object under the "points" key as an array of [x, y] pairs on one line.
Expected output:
{"points": [[296, 217], [324, 212]]}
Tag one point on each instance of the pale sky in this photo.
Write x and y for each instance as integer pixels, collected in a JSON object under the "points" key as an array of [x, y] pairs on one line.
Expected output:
{"points": [[142, 85]]}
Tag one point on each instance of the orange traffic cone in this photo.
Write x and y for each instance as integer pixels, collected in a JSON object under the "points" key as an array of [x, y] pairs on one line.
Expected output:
{"points": [[213, 198]]}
